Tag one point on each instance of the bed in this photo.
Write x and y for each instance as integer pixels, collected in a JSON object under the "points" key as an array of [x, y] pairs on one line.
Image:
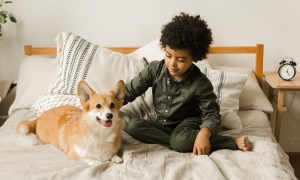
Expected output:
{"points": [[46, 79]]}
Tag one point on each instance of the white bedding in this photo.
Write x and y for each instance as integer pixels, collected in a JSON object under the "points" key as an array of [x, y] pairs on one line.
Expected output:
{"points": [[24, 157]]}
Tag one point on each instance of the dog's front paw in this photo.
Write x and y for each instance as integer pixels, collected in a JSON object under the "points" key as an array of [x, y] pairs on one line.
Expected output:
{"points": [[116, 159]]}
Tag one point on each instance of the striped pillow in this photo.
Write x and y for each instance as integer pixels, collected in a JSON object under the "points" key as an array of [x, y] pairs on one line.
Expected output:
{"points": [[83, 60], [75, 60], [228, 88], [50, 101]]}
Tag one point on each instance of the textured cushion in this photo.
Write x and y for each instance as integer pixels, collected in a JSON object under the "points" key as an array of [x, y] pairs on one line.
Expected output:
{"points": [[100, 67], [228, 88], [252, 96], [79, 59], [54, 100]]}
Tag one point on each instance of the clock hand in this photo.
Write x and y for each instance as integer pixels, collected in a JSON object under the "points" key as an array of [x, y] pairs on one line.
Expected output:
{"points": [[288, 72]]}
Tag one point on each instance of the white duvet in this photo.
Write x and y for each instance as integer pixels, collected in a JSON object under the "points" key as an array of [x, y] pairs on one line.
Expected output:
{"points": [[24, 157]]}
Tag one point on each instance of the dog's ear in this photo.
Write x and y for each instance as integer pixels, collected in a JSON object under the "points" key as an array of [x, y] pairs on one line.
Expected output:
{"points": [[119, 90], [85, 93]]}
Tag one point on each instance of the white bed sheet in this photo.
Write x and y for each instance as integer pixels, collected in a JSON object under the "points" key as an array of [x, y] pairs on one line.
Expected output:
{"points": [[24, 157]]}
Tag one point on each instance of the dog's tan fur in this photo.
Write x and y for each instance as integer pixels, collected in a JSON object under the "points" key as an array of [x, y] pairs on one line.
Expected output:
{"points": [[80, 133]]}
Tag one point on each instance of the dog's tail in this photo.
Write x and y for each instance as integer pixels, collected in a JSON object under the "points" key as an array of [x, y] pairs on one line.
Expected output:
{"points": [[26, 127]]}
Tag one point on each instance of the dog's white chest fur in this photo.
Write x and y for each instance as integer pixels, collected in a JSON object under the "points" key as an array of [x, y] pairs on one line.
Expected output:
{"points": [[97, 149]]}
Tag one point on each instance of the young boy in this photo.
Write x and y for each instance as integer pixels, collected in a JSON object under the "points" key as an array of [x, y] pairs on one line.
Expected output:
{"points": [[187, 112]]}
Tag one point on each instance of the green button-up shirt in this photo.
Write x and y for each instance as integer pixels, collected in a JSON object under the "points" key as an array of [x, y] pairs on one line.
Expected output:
{"points": [[174, 101]]}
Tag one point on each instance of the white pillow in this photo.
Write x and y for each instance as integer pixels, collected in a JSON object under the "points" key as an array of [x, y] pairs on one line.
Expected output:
{"points": [[34, 76], [151, 51], [252, 96], [228, 88], [50, 101], [100, 67]]}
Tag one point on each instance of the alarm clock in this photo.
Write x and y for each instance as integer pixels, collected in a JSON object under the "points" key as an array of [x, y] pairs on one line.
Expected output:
{"points": [[287, 69]]}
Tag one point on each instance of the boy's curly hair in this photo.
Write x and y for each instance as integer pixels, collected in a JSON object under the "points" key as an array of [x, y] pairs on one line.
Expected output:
{"points": [[187, 32]]}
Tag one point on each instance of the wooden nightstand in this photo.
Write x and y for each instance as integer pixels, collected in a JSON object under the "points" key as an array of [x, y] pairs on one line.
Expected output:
{"points": [[7, 96], [4, 88], [275, 82]]}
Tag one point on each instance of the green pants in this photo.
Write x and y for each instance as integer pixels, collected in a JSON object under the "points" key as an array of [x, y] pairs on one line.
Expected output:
{"points": [[180, 137]]}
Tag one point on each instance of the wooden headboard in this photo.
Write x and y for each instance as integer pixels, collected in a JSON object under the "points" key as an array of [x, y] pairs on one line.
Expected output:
{"points": [[258, 50]]}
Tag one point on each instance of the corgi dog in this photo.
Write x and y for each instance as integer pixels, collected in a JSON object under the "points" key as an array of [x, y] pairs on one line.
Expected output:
{"points": [[91, 134]]}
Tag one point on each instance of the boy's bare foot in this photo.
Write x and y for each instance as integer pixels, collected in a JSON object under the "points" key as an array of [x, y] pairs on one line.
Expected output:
{"points": [[243, 143]]}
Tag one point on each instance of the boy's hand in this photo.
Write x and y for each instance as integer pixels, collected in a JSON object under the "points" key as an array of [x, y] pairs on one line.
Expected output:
{"points": [[202, 143]]}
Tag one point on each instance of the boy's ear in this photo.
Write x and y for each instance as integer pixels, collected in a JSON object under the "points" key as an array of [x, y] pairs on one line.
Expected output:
{"points": [[119, 90], [85, 93]]}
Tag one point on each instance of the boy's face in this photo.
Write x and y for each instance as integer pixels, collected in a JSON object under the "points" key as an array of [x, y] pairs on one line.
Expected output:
{"points": [[178, 61]]}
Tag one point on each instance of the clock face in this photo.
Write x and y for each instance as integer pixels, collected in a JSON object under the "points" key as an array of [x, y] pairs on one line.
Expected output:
{"points": [[287, 71]]}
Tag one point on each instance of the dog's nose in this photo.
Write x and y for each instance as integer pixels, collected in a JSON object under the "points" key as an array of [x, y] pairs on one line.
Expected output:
{"points": [[109, 115]]}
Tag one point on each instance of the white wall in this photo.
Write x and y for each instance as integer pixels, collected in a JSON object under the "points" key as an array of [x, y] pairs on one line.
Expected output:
{"points": [[275, 23]]}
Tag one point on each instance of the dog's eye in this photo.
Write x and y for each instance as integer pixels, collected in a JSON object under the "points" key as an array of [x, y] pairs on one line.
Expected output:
{"points": [[112, 105], [98, 106]]}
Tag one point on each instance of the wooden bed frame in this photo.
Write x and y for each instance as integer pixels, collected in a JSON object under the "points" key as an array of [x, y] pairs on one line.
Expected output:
{"points": [[258, 50]]}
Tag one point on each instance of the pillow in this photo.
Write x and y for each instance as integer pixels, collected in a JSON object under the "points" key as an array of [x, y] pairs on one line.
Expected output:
{"points": [[50, 101], [79, 59], [153, 52], [252, 96], [34, 76], [228, 88], [100, 67]]}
